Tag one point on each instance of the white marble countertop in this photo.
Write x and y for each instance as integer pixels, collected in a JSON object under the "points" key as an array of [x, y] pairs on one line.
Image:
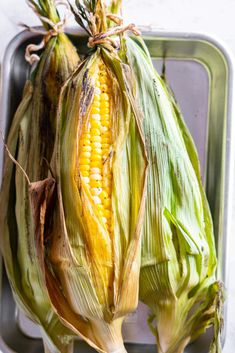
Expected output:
{"points": [[213, 17]]}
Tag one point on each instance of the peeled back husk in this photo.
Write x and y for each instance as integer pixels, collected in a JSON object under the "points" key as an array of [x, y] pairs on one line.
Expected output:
{"points": [[92, 274], [177, 277], [31, 142]]}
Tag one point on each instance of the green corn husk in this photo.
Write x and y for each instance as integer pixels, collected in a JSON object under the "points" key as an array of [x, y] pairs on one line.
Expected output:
{"points": [[177, 277], [31, 141], [93, 278]]}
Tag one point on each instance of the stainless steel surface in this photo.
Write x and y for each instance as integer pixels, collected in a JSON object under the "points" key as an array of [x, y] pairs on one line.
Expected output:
{"points": [[199, 71]]}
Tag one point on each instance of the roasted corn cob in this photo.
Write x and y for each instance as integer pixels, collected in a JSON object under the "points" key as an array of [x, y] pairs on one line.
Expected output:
{"points": [[31, 142], [92, 253], [177, 277]]}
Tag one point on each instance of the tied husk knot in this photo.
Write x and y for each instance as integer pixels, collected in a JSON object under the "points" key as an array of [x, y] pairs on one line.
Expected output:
{"points": [[52, 23], [101, 25], [104, 37]]}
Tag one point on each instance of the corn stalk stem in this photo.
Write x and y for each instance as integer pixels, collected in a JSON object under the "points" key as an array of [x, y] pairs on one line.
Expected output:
{"points": [[183, 345], [109, 335], [179, 349], [170, 326]]}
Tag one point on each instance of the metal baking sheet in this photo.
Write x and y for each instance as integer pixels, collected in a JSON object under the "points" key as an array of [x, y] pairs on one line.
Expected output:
{"points": [[199, 71]]}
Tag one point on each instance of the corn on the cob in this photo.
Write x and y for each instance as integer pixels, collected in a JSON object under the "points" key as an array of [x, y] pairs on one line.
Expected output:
{"points": [[92, 253], [31, 142], [177, 277], [94, 247]]}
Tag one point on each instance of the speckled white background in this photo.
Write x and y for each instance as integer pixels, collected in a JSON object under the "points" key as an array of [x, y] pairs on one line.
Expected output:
{"points": [[214, 17]]}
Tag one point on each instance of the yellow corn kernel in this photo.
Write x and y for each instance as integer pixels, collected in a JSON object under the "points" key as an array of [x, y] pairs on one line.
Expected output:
{"points": [[95, 132], [104, 105], [106, 123], [96, 177], [96, 145], [95, 117], [96, 139], [106, 127], [105, 117], [97, 200], [86, 179], [96, 158], [102, 79], [84, 161], [85, 142], [85, 154], [96, 191], [96, 164], [86, 174], [100, 207], [103, 195], [107, 203], [96, 171], [97, 148], [95, 110], [96, 183], [107, 214], [86, 148], [104, 110], [86, 135], [95, 124], [84, 168], [104, 97]]}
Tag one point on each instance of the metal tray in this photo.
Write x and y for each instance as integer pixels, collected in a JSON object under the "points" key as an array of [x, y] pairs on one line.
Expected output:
{"points": [[199, 70]]}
